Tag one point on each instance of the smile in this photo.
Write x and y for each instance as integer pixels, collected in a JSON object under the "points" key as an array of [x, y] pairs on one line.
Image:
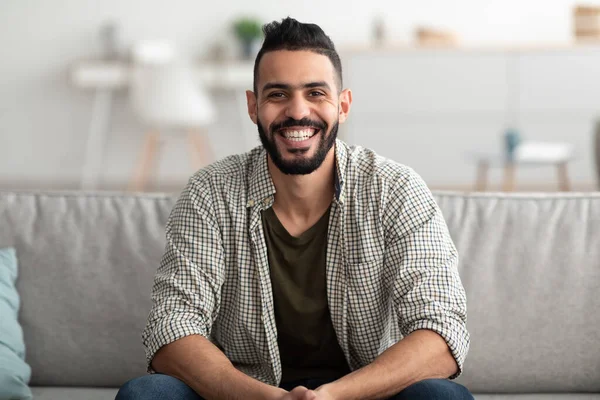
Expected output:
{"points": [[298, 135]]}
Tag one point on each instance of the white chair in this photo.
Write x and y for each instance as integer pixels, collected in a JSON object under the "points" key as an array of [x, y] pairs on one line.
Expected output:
{"points": [[164, 95]]}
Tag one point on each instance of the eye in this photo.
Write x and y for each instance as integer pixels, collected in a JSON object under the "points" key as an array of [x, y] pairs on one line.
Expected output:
{"points": [[316, 93], [276, 95]]}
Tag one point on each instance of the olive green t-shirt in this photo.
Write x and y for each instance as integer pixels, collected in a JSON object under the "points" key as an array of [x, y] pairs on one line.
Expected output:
{"points": [[307, 342]]}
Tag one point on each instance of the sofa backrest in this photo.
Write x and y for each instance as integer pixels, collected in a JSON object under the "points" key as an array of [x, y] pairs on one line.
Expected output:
{"points": [[530, 265], [86, 265]]}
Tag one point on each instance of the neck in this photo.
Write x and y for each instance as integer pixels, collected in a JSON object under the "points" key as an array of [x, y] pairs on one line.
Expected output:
{"points": [[302, 197]]}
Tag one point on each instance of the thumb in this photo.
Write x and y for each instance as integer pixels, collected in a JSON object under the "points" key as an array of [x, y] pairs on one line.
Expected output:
{"points": [[298, 393]]}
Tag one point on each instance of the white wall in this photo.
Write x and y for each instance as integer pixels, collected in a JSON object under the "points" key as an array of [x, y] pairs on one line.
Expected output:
{"points": [[450, 104], [44, 121]]}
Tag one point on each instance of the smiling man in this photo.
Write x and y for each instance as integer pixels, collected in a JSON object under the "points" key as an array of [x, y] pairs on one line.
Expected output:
{"points": [[304, 269]]}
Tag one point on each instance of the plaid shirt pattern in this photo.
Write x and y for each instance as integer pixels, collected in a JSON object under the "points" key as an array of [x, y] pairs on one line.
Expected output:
{"points": [[391, 264]]}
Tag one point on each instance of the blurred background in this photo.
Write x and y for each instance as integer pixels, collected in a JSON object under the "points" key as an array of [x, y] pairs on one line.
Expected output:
{"points": [[135, 95]]}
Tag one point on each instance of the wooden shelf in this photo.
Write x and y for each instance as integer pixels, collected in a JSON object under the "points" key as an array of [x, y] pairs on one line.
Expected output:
{"points": [[508, 48]]}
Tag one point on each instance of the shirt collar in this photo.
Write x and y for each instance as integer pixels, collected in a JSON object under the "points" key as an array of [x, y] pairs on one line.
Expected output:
{"points": [[341, 162], [261, 187]]}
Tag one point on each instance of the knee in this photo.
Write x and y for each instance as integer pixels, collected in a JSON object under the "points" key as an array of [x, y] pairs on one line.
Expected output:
{"points": [[136, 388], [148, 387], [435, 389]]}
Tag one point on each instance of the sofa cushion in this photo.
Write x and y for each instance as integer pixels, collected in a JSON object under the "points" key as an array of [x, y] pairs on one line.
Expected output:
{"points": [[530, 265], [87, 265], [535, 396], [14, 371], [69, 393], [66, 393]]}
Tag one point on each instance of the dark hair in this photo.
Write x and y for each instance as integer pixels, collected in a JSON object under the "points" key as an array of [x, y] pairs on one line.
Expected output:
{"points": [[289, 34]]}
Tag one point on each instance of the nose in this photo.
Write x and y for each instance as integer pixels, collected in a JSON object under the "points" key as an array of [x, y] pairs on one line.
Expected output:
{"points": [[297, 108]]}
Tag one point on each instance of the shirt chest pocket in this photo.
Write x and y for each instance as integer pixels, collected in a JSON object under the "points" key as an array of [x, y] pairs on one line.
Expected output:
{"points": [[364, 248], [369, 297], [366, 276]]}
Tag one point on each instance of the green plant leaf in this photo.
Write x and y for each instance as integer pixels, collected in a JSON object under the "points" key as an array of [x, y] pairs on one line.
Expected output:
{"points": [[247, 29]]}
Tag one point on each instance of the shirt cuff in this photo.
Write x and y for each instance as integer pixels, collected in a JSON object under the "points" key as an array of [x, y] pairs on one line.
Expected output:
{"points": [[168, 329], [455, 335]]}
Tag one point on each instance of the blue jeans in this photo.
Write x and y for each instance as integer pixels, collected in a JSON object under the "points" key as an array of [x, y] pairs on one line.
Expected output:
{"points": [[164, 387]]}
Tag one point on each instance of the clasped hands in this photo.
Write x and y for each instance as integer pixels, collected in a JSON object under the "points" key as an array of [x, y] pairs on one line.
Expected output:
{"points": [[302, 393]]}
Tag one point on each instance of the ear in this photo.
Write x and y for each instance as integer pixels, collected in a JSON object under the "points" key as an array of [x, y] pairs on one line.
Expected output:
{"points": [[345, 102], [252, 109]]}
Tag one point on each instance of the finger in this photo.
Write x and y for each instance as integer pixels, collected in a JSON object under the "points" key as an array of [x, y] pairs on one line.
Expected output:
{"points": [[298, 392], [309, 395]]}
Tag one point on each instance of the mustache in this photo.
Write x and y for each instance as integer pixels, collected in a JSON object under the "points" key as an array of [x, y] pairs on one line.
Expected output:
{"points": [[307, 122]]}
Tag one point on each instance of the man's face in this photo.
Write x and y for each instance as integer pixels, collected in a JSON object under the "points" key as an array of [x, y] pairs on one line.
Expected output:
{"points": [[297, 108]]}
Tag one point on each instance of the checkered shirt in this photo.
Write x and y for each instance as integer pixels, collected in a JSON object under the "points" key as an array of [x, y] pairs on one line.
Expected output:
{"points": [[391, 264]]}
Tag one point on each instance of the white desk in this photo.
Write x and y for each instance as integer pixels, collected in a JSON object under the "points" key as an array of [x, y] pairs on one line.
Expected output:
{"points": [[116, 75], [105, 77], [527, 154]]}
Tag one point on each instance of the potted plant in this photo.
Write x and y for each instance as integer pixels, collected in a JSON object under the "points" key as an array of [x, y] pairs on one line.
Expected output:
{"points": [[249, 32]]}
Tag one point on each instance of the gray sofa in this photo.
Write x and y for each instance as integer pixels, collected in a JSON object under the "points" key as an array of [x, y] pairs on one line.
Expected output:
{"points": [[530, 265]]}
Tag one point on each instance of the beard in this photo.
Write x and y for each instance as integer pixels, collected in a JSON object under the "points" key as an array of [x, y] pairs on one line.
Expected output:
{"points": [[299, 166]]}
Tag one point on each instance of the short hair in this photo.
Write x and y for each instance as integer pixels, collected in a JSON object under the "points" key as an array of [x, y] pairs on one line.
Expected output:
{"points": [[289, 34]]}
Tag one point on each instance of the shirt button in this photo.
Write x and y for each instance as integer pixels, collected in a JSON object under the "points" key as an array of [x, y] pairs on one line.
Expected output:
{"points": [[251, 203]]}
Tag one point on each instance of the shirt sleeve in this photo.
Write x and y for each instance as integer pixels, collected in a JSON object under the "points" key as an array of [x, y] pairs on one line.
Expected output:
{"points": [[187, 285], [428, 292]]}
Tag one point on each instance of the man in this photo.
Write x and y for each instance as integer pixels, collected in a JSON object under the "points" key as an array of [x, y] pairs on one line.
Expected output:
{"points": [[304, 269]]}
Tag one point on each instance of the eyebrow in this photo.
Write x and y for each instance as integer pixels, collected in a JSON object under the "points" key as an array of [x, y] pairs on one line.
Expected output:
{"points": [[286, 86]]}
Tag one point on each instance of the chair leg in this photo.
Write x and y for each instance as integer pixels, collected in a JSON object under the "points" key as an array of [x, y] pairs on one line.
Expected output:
{"points": [[509, 177], [142, 170], [200, 150], [482, 173], [563, 177]]}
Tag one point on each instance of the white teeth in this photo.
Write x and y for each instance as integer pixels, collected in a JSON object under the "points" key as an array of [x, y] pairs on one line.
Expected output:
{"points": [[298, 136]]}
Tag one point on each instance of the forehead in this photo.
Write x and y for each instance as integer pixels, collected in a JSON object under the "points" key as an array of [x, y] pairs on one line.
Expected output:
{"points": [[295, 67]]}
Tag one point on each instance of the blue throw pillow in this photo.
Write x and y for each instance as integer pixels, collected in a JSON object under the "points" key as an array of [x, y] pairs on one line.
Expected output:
{"points": [[14, 371]]}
